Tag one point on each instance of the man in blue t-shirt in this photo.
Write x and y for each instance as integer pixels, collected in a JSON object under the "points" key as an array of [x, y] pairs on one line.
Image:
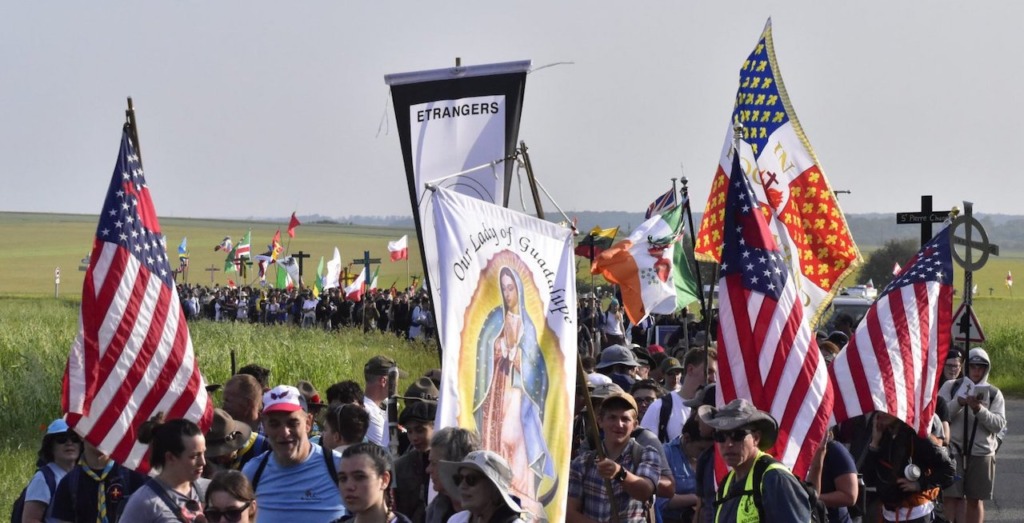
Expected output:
{"points": [[294, 481]]}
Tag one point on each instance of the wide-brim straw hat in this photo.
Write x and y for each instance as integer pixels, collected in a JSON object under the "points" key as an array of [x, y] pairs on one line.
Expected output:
{"points": [[740, 413], [488, 463]]}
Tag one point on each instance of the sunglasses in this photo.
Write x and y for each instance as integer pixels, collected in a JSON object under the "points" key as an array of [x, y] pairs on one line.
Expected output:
{"points": [[735, 435], [470, 479], [67, 437], [231, 514]]}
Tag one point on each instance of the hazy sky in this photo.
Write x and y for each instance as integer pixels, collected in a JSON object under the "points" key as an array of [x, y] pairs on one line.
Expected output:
{"points": [[260, 108]]}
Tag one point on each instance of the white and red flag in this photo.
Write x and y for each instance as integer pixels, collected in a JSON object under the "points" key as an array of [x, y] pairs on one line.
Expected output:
{"points": [[1009, 279], [766, 350], [892, 362], [791, 188], [355, 290], [896, 269], [399, 248], [132, 356]]}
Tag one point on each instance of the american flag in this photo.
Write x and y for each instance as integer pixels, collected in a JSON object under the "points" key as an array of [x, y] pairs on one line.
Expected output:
{"points": [[132, 357], [766, 351], [892, 362], [661, 204]]}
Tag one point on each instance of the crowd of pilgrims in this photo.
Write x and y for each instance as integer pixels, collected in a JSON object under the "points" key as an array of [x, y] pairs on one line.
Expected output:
{"points": [[284, 453]]}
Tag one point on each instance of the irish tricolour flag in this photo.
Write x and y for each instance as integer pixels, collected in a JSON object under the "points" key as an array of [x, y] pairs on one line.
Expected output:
{"points": [[650, 267]]}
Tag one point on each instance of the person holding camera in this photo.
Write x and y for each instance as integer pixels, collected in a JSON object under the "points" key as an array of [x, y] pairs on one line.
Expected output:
{"points": [[907, 470], [977, 416]]}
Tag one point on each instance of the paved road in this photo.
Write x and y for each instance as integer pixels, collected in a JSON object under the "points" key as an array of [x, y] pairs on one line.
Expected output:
{"points": [[1008, 503]]}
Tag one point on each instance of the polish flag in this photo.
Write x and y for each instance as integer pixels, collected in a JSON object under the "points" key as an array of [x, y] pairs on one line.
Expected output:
{"points": [[399, 248]]}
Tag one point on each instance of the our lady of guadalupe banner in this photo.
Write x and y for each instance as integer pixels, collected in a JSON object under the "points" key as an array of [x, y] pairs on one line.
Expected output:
{"points": [[508, 329], [457, 120]]}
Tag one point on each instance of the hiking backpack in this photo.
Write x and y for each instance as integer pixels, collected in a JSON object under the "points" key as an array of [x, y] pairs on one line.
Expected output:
{"points": [[19, 504]]}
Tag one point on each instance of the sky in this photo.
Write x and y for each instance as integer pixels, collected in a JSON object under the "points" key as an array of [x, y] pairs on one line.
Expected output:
{"points": [[263, 108]]}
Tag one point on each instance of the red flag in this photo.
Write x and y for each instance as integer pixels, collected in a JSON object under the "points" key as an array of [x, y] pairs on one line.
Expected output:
{"points": [[275, 246], [292, 224], [892, 362], [766, 350], [132, 356]]}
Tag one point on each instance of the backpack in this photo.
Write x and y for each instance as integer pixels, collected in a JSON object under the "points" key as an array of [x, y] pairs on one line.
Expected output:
{"points": [[819, 513], [19, 504], [328, 460]]}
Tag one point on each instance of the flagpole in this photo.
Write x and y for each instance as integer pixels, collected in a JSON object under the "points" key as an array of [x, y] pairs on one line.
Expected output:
{"points": [[684, 191], [133, 129]]}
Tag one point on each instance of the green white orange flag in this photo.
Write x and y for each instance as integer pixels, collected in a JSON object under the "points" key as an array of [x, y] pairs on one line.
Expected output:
{"points": [[650, 267]]}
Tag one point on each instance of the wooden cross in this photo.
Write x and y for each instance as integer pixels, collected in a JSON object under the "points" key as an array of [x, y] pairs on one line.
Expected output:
{"points": [[926, 217], [212, 270], [300, 256]]}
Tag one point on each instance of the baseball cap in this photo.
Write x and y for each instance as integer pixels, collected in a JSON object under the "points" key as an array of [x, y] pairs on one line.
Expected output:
{"points": [[57, 426], [282, 398]]}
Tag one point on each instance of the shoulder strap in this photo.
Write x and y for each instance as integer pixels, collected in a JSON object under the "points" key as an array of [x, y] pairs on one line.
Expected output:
{"points": [[760, 467], [51, 479], [166, 498], [329, 461], [637, 452], [956, 386], [666, 412], [259, 470]]}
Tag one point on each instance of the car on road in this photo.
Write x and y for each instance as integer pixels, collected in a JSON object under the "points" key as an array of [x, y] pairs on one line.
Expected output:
{"points": [[855, 306]]}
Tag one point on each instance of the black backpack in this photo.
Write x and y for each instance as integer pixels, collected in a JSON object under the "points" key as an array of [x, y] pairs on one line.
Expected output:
{"points": [[19, 504], [819, 513]]}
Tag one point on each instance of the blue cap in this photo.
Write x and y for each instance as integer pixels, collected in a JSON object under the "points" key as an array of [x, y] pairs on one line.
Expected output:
{"points": [[59, 426]]}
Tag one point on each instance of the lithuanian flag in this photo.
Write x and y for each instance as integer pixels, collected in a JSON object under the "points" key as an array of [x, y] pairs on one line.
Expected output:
{"points": [[650, 267], [596, 242]]}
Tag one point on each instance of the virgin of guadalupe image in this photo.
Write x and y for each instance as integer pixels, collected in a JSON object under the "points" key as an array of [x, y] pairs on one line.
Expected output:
{"points": [[511, 384]]}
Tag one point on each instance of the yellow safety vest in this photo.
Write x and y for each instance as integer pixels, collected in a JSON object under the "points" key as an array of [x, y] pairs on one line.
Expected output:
{"points": [[746, 511]]}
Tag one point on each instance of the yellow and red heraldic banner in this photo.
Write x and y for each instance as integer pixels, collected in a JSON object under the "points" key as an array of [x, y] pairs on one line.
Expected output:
{"points": [[793, 192]]}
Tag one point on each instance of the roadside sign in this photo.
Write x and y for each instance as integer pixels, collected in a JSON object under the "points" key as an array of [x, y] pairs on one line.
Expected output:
{"points": [[966, 327], [56, 275]]}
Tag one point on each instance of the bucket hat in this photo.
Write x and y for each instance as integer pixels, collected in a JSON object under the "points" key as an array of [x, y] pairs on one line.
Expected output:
{"points": [[740, 413], [226, 435], [488, 463], [617, 355]]}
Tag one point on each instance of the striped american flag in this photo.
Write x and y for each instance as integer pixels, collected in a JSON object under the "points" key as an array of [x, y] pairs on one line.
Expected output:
{"points": [[132, 357], [661, 204], [766, 352], [892, 362]]}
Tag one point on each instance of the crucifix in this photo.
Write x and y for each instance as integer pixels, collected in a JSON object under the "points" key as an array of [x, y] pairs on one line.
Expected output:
{"points": [[300, 256], [212, 270], [925, 217]]}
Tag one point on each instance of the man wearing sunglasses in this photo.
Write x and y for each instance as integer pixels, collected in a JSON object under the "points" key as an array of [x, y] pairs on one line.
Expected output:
{"points": [[632, 469], [758, 488]]}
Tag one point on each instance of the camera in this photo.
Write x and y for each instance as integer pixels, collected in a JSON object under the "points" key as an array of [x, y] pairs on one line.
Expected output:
{"points": [[912, 472]]}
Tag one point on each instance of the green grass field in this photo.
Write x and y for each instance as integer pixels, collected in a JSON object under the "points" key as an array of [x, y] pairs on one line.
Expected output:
{"points": [[38, 243]]}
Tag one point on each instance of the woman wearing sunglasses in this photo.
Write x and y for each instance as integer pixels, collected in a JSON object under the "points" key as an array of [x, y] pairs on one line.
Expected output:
{"points": [[481, 484], [176, 449], [230, 498], [363, 479], [57, 456]]}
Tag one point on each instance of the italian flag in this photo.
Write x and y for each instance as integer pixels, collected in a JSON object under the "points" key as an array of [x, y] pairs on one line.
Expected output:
{"points": [[650, 267]]}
